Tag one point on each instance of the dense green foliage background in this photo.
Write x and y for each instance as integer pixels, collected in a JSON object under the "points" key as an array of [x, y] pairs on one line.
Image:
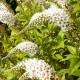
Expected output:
{"points": [[58, 48]]}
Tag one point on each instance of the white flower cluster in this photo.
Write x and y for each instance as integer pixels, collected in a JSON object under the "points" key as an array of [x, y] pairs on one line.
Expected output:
{"points": [[24, 47], [62, 3], [35, 69], [52, 14], [27, 47], [5, 16]]}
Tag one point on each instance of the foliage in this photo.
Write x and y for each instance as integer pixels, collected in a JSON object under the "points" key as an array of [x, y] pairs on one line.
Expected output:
{"points": [[58, 48]]}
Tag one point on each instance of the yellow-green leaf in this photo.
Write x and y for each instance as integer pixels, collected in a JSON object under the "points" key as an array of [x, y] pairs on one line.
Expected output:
{"points": [[71, 49]]}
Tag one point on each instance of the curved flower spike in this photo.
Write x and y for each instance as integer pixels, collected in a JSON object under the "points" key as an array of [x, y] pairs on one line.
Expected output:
{"points": [[35, 69], [5, 15], [24, 47], [53, 15]]}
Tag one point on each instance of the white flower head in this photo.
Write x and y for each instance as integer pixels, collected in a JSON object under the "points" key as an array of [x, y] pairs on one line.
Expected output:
{"points": [[5, 16], [27, 47], [35, 69], [53, 15], [24, 47], [59, 16]]}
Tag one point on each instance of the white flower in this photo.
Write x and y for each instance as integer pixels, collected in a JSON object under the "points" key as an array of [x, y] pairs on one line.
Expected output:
{"points": [[5, 16], [52, 14], [27, 47], [24, 47], [59, 16], [35, 69]]}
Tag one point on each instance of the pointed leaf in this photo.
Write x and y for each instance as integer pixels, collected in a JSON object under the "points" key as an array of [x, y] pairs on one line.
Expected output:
{"points": [[63, 71], [60, 39], [71, 49], [75, 68], [70, 56], [58, 56]]}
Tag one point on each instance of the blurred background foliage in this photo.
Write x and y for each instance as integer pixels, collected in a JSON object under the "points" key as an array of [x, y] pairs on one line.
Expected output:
{"points": [[58, 48]]}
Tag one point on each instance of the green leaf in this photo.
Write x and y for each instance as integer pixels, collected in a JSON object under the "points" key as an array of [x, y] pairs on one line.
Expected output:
{"points": [[37, 36], [58, 56], [74, 68], [71, 49], [63, 71], [60, 39], [18, 9], [77, 73], [70, 56]]}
